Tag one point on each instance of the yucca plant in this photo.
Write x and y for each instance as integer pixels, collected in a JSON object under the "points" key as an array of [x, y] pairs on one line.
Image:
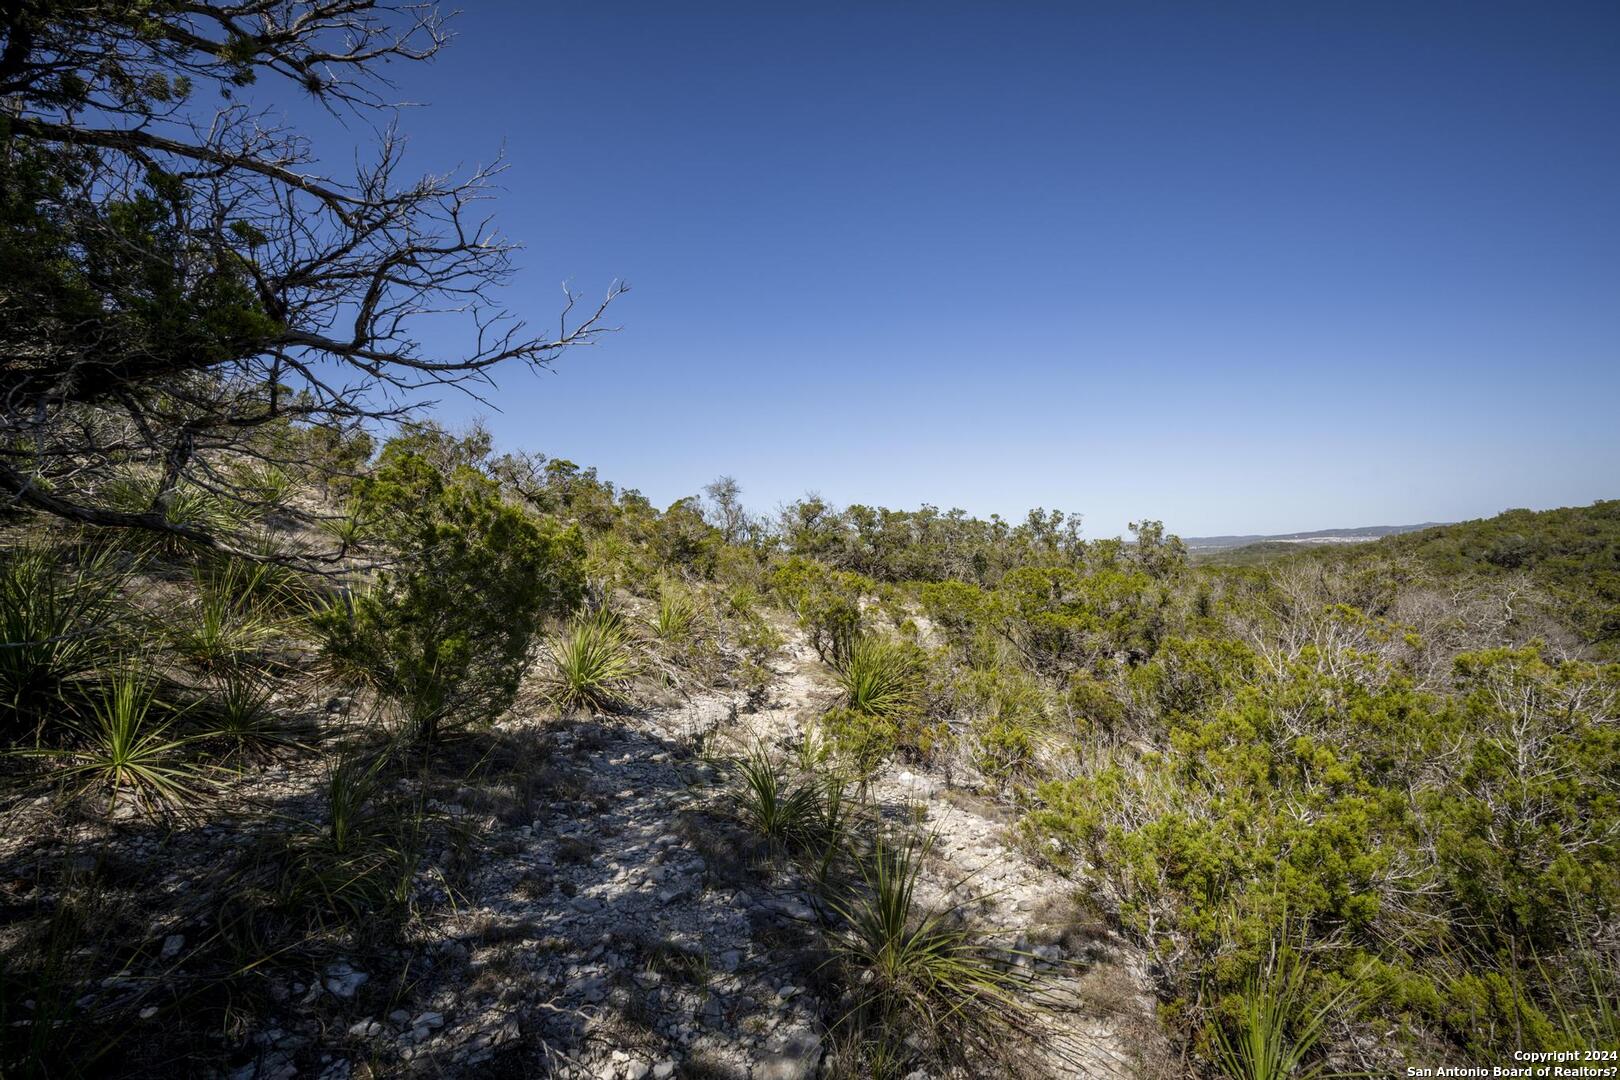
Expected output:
{"points": [[240, 715], [787, 815], [265, 581], [351, 528], [1584, 994], [1278, 1027], [361, 863], [126, 751], [591, 663], [264, 483], [59, 624], [223, 621], [922, 973], [185, 505], [676, 618], [879, 677]]}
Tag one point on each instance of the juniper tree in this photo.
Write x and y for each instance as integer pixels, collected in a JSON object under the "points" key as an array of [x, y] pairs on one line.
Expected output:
{"points": [[181, 284]]}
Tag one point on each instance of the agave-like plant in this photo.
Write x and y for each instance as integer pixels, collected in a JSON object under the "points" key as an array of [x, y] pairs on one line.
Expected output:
{"points": [[676, 617], [1279, 1026], [351, 528], [361, 863], [185, 505], [591, 663], [126, 750], [922, 971], [224, 620], [240, 715], [879, 677], [59, 623], [267, 484], [769, 803]]}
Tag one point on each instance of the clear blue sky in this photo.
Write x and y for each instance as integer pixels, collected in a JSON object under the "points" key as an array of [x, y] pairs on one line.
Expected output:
{"points": [[1242, 267]]}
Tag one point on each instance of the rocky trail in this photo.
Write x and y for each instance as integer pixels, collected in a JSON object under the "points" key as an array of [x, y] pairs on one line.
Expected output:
{"points": [[602, 915], [627, 931]]}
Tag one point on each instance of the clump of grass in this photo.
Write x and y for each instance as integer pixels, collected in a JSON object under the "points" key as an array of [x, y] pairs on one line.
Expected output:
{"points": [[361, 861], [43, 977], [879, 677], [1584, 994], [60, 624], [923, 981], [126, 751], [591, 663]]}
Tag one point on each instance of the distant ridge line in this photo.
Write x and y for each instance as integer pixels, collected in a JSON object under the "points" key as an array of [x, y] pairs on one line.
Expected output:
{"points": [[1357, 535]]}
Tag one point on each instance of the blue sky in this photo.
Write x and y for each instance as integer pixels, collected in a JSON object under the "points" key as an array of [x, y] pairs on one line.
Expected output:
{"points": [[1241, 267]]}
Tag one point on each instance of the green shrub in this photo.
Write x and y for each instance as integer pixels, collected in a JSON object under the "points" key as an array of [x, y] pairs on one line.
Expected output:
{"points": [[445, 633], [826, 602], [1007, 711], [861, 742]]}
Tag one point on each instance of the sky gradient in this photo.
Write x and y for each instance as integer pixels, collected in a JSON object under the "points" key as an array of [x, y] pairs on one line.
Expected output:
{"points": [[1243, 268]]}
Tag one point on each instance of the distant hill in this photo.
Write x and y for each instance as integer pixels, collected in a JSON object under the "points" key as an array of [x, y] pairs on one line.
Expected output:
{"points": [[1573, 553], [1197, 544]]}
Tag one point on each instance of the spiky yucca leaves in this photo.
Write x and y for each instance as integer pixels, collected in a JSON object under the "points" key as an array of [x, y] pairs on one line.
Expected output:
{"points": [[125, 751], [240, 716], [60, 623], [808, 816], [786, 814], [879, 677], [360, 862], [263, 484], [591, 663], [224, 621], [676, 618], [186, 505], [269, 585], [1278, 1027], [1582, 992], [351, 528], [920, 976]]}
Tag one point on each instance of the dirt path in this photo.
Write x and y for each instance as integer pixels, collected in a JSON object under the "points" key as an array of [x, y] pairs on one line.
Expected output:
{"points": [[624, 931], [1111, 1031]]}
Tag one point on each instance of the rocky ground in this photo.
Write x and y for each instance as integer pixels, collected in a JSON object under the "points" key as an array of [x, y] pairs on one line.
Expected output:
{"points": [[612, 921]]}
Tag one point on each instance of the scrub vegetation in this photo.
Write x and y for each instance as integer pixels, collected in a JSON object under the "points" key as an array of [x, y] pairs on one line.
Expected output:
{"points": [[1357, 807]]}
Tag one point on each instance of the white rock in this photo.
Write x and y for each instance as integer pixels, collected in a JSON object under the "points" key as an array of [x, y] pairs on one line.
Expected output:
{"points": [[342, 980]]}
